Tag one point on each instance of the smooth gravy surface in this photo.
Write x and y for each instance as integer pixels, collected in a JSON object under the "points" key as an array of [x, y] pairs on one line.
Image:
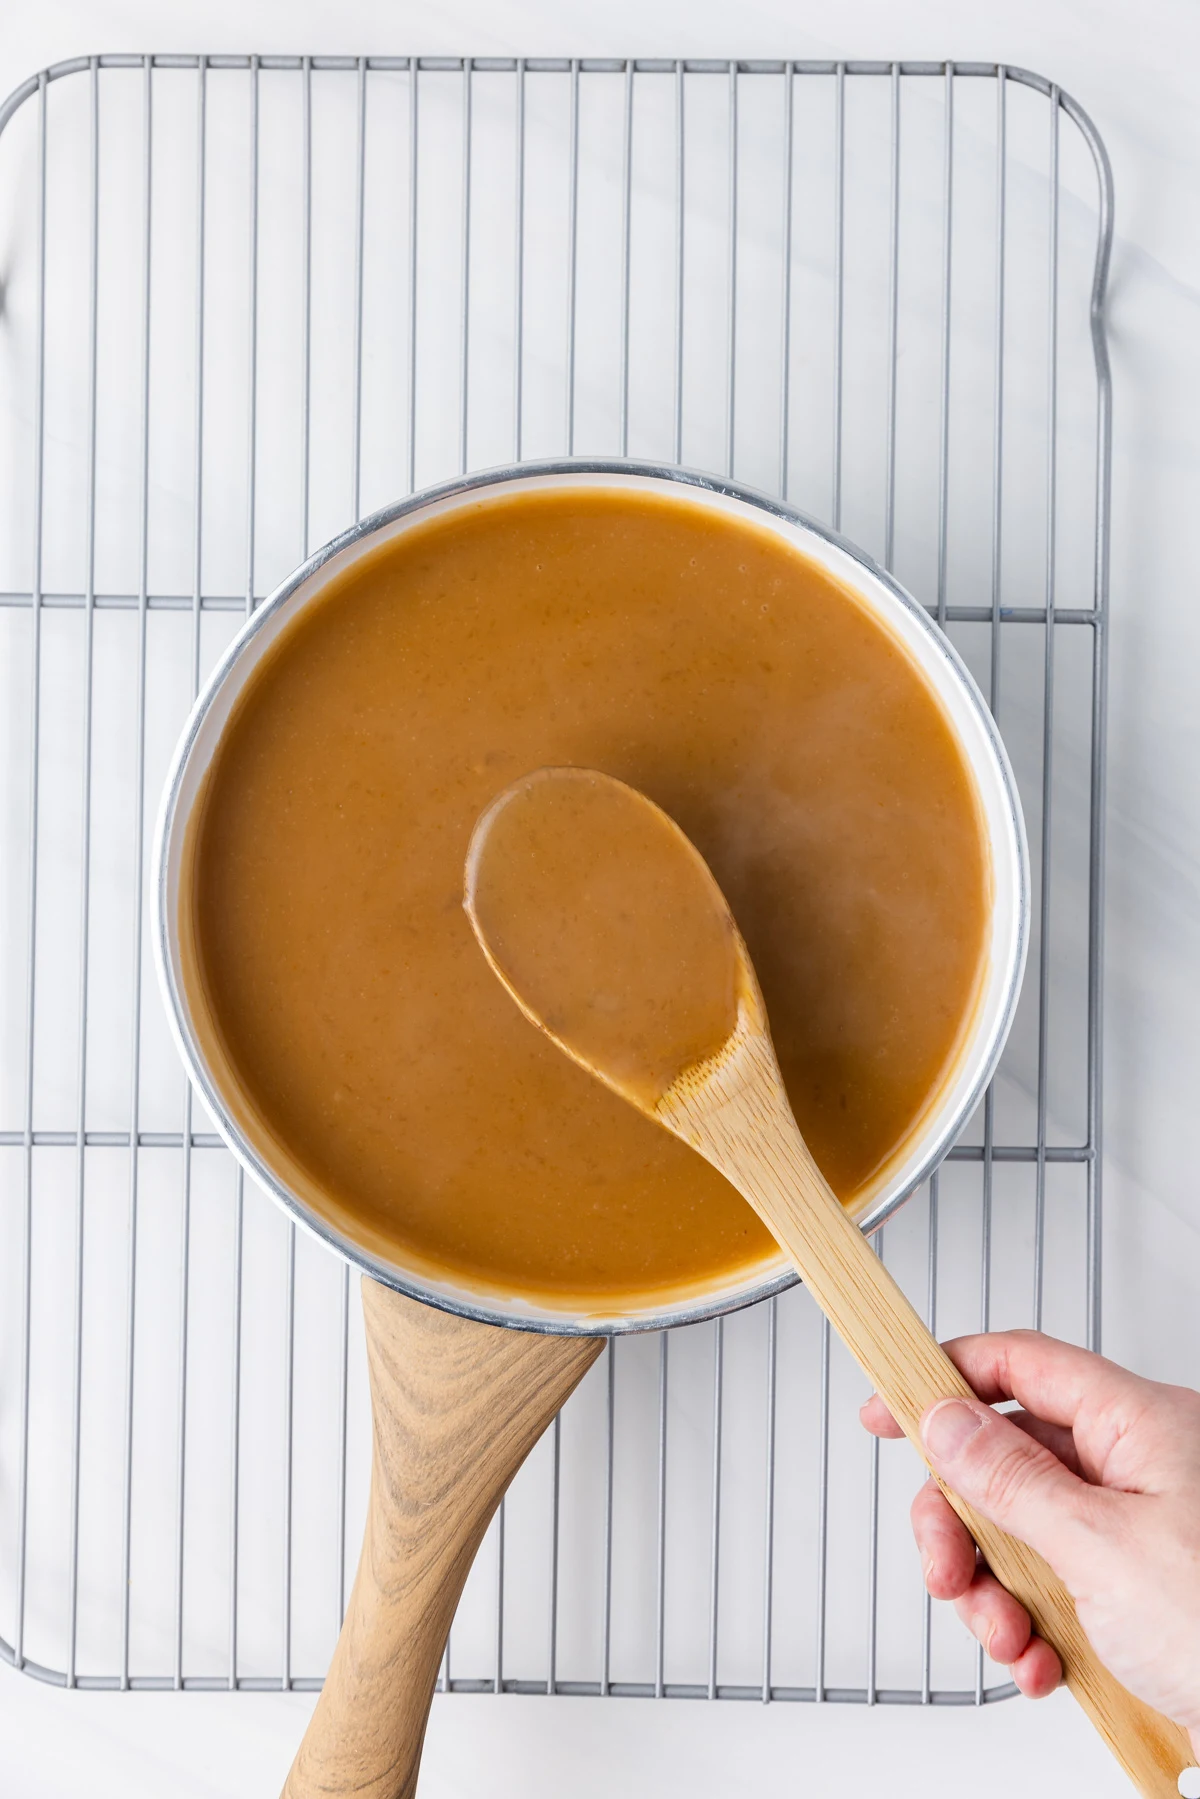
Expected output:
{"points": [[360, 1034], [606, 926]]}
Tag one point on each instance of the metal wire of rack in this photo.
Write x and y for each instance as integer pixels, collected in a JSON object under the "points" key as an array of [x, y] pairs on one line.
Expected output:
{"points": [[249, 298]]}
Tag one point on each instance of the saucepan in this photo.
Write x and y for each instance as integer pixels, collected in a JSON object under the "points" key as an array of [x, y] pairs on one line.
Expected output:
{"points": [[458, 1402]]}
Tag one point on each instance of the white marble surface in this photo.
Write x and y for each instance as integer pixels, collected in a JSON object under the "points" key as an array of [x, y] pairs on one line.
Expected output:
{"points": [[1134, 70]]}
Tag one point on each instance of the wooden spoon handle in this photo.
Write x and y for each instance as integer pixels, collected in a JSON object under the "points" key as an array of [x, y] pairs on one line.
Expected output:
{"points": [[764, 1156], [457, 1408]]}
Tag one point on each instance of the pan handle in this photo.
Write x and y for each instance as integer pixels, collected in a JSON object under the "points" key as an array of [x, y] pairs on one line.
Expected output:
{"points": [[457, 1408]]}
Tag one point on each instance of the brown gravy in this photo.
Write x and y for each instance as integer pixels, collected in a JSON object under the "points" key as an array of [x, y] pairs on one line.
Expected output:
{"points": [[605, 926], [353, 1020]]}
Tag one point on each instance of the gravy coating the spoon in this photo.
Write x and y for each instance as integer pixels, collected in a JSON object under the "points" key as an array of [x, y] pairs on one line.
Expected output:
{"points": [[606, 926]]}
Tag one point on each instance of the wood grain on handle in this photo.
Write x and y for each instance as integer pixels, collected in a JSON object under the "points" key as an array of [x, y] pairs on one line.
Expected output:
{"points": [[735, 1112], [457, 1407]]}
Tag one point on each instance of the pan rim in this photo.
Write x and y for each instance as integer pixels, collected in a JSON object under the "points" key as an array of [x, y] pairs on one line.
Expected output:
{"points": [[983, 1054]]}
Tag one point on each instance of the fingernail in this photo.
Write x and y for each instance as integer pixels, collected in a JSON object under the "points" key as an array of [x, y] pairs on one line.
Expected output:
{"points": [[948, 1429]]}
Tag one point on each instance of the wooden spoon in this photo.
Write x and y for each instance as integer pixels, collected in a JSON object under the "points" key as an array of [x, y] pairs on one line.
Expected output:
{"points": [[608, 929]]}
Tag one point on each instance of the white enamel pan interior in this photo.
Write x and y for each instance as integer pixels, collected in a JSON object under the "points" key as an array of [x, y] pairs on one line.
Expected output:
{"points": [[908, 623]]}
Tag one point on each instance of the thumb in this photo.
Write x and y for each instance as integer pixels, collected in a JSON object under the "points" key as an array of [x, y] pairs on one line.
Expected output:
{"points": [[1008, 1476]]}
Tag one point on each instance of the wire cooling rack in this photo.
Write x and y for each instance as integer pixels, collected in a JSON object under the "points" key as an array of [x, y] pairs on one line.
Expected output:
{"points": [[246, 300]]}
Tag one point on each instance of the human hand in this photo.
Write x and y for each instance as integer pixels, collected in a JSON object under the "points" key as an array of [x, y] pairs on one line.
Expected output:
{"points": [[1100, 1473]]}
